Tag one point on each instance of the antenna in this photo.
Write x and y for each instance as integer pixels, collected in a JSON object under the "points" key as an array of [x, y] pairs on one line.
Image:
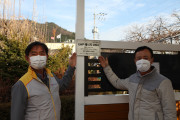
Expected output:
{"points": [[100, 17]]}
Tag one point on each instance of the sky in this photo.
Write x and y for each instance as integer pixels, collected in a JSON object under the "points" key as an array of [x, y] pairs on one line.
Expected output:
{"points": [[119, 15]]}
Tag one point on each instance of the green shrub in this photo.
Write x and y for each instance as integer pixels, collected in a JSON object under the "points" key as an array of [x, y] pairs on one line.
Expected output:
{"points": [[5, 111], [67, 107]]}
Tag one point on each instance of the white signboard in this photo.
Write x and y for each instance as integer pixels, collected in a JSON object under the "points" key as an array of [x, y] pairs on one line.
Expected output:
{"points": [[88, 47]]}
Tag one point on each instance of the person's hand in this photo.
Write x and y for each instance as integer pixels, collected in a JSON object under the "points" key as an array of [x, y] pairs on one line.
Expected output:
{"points": [[103, 61], [72, 60]]}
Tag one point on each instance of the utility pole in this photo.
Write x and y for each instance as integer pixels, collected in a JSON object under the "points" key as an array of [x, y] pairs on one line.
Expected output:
{"points": [[95, 29], [14, 9], [34, 11], [4, 10], [19, 9]]}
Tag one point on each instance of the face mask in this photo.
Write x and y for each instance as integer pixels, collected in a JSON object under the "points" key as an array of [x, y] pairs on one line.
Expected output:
{"points": [[143, 65], [38, 62]]}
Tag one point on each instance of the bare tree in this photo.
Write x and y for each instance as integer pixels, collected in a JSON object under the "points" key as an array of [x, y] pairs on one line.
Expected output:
{"points": [[19, 29], [160, 30]]}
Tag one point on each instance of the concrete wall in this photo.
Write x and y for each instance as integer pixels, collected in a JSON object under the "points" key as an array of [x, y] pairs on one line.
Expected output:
{"points": [[54, 46]]}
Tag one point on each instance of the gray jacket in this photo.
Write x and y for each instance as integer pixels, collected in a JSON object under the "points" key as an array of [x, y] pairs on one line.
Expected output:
{"points": [[151, 96], [32, 99]]}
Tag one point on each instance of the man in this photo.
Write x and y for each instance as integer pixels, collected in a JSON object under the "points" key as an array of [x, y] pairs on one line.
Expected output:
{"points": [[35, 96], [151, 95]]}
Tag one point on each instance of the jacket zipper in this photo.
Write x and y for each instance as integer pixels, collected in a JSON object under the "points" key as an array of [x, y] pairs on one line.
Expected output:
{"points": [[51, 97], [138, 96], [134, 101]]}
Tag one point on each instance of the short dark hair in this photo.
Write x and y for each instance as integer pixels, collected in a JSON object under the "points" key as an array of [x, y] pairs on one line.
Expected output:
{"points": [[142, 48], [31, 45]]}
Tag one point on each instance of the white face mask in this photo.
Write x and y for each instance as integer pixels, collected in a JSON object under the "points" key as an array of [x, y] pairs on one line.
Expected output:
{"points": [[38, 62], [143, 65]]}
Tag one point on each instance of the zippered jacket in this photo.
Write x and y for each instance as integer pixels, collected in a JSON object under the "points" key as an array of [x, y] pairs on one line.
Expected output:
{"points": [[151, 97], [33, 100]]}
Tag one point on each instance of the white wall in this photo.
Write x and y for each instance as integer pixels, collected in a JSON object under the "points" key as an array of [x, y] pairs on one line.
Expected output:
{"points": [[53, 46]]}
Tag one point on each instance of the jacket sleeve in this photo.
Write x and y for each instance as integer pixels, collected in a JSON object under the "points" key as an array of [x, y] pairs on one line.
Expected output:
{"points": [[114, 80], [66, 79], [167, 99], [19, 98]]}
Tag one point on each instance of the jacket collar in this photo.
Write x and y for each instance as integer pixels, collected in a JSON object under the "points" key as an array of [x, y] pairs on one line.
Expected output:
{"points": [[151, 72], [33, 74]]}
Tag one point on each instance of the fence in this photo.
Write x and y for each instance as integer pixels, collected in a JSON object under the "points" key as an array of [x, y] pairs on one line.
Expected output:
{"points": [[96, 87]]}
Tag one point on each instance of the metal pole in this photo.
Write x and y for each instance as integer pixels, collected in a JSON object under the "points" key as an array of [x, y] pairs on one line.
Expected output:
{"points": [[79, 82]]}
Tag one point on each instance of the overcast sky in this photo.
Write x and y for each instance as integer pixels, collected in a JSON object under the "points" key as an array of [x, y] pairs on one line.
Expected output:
{"points": [[120, 14]]}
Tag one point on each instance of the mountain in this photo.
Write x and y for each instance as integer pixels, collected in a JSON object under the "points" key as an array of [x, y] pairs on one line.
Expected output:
{"points": [[54, 30]]}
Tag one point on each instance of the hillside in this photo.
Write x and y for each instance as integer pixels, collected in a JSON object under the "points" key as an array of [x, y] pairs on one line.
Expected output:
{"points": [[54, 28], [44, 32]]}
